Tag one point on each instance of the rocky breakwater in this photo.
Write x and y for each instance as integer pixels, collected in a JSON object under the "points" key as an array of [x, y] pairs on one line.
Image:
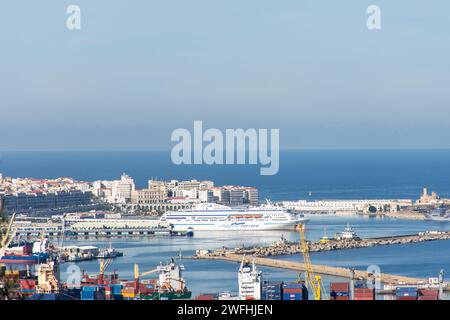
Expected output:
{"points": [[285, 247]]}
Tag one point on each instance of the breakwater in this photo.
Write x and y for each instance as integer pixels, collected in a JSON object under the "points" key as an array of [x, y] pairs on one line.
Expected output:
{"points": [[284, 247]]}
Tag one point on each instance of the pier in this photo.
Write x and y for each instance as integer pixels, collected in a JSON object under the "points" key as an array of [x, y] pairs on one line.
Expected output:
{"points": [[319, 269]]}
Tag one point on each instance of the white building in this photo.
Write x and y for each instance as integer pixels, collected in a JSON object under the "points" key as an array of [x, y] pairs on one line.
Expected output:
{"points": [[344, 205], [250, 281]]}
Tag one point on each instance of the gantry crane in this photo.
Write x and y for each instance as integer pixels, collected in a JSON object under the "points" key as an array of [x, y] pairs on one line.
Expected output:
{"points": [[313, 281]]}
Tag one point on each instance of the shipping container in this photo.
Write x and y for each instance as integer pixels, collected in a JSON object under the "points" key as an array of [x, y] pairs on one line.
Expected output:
{"points": [[406, 298], [428, 292], [89, 288], [406, 292], [293, 285], [27, 284], [207, 296], [340, 286], [339, 295], [363, 294], [293, 296], [272, 290], [342, 298], [87, 295]]}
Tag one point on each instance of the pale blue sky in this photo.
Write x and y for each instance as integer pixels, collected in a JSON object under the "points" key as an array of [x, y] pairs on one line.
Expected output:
{"points": [[139, 69]]}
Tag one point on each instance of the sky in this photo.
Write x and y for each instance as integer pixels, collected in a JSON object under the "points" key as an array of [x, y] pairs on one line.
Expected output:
{"points": [[137, 70]]}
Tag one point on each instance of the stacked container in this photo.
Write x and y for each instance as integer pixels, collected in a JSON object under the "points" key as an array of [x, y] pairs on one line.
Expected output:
{"points": [[361, 292], [27, 286], [406, 293], [128, 293], [272, 290], [339, 291], [100, 294], [294, 291], [428, 295], [115, 292], [88, 293], [74, 293]]}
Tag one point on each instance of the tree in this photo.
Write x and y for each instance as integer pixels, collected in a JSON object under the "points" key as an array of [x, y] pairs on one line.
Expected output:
{"points": [[372, 209]]}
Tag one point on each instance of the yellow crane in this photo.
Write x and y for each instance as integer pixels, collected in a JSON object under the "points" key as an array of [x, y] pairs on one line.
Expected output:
{"points": [[313, 281], [138, 275], [8, 237]]}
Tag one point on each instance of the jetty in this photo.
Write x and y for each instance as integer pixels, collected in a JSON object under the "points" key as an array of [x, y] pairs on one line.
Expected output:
{"points": [[319, 269]]}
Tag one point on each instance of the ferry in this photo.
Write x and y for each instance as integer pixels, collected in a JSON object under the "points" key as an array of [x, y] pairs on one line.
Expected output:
{"points": [[216, 217]]}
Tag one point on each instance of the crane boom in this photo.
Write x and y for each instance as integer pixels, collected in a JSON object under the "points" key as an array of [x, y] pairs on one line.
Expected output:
{"points": [[8, 237], [313, 281], [138, 275]]}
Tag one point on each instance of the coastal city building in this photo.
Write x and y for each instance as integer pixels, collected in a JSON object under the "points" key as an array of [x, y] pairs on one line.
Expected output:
{"points": [[347, 205], [114, 191], [428, 199]]}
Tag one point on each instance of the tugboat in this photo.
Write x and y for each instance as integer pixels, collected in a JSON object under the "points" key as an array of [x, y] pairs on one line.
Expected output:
{"points": [[348, 234], [109, 253], [324, 238]]}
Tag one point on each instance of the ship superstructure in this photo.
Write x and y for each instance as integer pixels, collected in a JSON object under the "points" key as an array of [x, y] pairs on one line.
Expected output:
{"points": [[250, 281], [211, 216]]}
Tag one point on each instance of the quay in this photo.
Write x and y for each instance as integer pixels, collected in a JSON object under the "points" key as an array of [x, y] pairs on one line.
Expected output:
{"points": [[319, 269]]}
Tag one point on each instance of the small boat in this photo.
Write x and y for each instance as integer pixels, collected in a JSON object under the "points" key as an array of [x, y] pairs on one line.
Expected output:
{"points": [[109, 252]]}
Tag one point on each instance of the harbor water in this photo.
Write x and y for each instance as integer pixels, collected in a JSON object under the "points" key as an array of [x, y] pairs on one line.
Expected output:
{"points": [[420, 260]]}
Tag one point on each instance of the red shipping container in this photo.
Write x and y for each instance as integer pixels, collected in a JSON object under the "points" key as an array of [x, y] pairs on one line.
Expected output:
{"points": [[425, 292], [406, 298], [26, 284], [341, 298], [363, 298], [340, 287], [205, 297], [427, 298], [292, 290]]}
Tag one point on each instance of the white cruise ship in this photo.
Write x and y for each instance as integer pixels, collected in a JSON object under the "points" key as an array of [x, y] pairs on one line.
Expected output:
{"points": [[211, 216]]}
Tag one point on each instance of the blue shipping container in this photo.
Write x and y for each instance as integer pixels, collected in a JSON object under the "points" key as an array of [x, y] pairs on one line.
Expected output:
{"points": [[87, 295], [293, 296], [89, 288]]}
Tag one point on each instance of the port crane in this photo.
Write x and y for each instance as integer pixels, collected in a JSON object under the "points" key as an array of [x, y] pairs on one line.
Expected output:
{"points": [[8, 237], [313, 281], [138, 275], [104, 263]]}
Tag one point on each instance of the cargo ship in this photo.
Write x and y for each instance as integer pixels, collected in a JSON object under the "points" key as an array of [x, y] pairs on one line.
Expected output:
{"points": [[26, 253], [250, 281], [216, 217], [170, 284]]}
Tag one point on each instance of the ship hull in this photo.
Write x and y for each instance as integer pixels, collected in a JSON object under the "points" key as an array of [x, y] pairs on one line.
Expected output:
{"points": [[167, 296], [235, 225], [34, 259]]}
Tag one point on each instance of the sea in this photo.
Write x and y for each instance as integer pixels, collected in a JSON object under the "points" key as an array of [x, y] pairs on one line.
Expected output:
{"points": [[303, 174]]}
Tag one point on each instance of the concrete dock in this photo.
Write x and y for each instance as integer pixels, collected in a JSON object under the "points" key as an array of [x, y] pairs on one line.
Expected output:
{"points": [[319, 269]]}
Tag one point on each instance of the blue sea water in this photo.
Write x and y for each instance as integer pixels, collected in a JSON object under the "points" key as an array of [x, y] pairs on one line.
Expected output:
{"points": [[337, 174], [327, 174]]}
